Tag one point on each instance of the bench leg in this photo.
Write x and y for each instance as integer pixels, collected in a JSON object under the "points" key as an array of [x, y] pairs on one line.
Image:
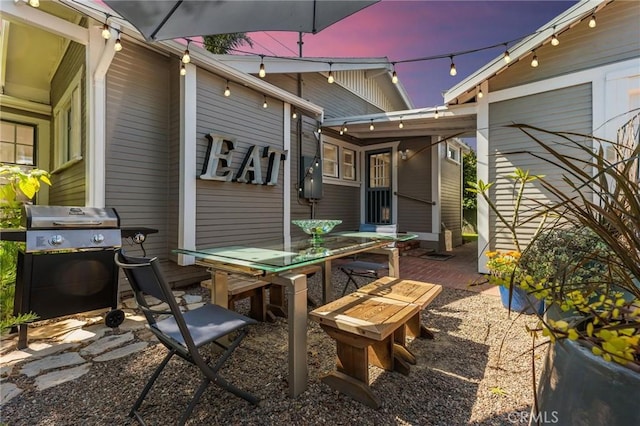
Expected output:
{"points": [[416, 329], [349, 386], [277, 301]]}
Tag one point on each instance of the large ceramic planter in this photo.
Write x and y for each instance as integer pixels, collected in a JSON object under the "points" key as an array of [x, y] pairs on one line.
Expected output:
{"points": [[521, 302], [579, 388]]}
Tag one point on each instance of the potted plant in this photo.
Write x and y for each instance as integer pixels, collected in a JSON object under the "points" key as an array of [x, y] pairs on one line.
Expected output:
{"points": [[584, 262], [17, 186]]}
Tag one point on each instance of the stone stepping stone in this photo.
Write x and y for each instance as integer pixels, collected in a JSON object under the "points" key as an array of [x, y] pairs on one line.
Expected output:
{"points": [[193, 306], [85, 334], [121, 352], [130, 303], [56, 378], [191, 298], [8, 391], [67, 359], [133, 323], [35, 350], [106, 343], [5, 371], [54, 329]]}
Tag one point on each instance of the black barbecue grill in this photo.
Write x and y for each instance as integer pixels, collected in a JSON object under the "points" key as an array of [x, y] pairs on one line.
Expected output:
{"points": [[68, 265]]}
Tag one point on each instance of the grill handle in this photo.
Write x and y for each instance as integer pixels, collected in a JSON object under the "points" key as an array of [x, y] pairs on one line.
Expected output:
{"points": [[80, 223]]}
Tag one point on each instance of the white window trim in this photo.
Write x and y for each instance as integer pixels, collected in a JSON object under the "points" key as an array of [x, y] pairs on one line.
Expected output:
{"points": [[356, 182], [73, 96], [457, 149], [336, 174]]}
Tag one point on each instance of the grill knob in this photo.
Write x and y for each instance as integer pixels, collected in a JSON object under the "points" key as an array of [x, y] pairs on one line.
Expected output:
{"points": [[56, 240], [97, 238]]}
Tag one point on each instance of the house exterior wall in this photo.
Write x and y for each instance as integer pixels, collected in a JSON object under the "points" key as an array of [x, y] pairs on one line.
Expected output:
{"points": [[68, 185], [567, 109], [615, 38], [451, 198], [227, 212], [414, 185]]}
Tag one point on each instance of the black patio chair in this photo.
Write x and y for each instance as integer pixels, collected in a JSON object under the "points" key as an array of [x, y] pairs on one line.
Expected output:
{"points": [[184, 333], [367, 269]]}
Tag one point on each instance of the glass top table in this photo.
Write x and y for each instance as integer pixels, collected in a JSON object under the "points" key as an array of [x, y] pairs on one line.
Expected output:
{"points": [[277, 256], [283, 264]]}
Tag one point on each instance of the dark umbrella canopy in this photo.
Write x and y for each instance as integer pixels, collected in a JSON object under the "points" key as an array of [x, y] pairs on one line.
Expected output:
{"points": [[163, 20]]}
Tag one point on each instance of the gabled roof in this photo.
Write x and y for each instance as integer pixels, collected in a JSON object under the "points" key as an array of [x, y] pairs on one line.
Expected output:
{"points": [[465, 90], [378, 68]]}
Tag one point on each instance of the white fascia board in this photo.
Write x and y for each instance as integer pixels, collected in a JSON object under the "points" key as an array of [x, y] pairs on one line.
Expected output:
{"points": [[566, 19], [405, 115], [34, 17], [251, 63]]}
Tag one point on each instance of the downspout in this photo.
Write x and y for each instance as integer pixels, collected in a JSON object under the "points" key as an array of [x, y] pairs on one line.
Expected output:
{"points": [[99, 64]]}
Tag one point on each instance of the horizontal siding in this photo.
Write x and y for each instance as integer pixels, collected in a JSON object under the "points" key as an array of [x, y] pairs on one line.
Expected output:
{"points": [[615, 38], [229, 212], [414, 180], [340, 202], [69, 185], [569, 110], [451, 199]]}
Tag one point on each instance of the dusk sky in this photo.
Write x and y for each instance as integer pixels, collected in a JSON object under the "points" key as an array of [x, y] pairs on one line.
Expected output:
{"points": [[403, 30]]}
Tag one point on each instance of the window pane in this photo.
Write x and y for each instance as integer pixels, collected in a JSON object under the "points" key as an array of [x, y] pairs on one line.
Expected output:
{"points": [[24, 154], [7, 153], [380, 170], [25, 135], [330, 160], [348, 164], [7, 132]]}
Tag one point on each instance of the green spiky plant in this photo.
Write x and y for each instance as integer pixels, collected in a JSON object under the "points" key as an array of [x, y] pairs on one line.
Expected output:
{"points": [[17, 185]]}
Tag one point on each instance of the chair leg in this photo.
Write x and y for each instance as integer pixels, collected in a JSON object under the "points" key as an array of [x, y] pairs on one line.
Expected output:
{"points": [[196, 397], [147, 388], [350, 280]]}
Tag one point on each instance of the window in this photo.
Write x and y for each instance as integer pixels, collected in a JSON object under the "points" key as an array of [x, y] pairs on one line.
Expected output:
{"points": [[330, 160], [67, 123], [348, 164], [453, 153], [17, 142]]}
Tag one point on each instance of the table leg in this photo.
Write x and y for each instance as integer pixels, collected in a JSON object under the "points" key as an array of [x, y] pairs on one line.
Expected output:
{"points": [[394, 262], [219, 289], [296, 288], [327, 284]]}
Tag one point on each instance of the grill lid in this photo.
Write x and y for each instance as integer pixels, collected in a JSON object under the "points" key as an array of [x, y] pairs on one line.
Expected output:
{"points": [[66, 217]]}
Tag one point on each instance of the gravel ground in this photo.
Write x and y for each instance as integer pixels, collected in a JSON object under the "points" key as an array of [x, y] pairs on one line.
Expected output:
{"points": [[476, 371]]}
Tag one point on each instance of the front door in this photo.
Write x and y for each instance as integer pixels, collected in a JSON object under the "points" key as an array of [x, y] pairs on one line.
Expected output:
{"points": [[378, 188]]}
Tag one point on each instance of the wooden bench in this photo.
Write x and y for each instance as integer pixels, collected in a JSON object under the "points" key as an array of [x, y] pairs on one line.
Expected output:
{"points": [[371, 327], [240, 287]]}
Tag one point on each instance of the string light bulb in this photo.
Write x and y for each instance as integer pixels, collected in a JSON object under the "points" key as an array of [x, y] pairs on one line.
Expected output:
{"points": [[118, 44], [506, 56], [435, 115], [401, 124], [554, 38], [319, 129], [186, 57], [452, 68], [592, 21], [262, 73], [371, 126], [294, 115], [34, 3], [394, 75], [265, 104], [330, 78], [106, 32], [534, 61], [183, 69], [344, 127], [227, 91], [480, 94]]}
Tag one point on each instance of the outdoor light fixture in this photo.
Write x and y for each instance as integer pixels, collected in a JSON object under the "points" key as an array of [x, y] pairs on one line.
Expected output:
{"points": [[452, 69], [262, 73], [371, 126], [534, 61], [118, 45], [435, 115], [554, 38], [592, 21], [186, 58], [330, 78], [294, 115], [265, 105], [480, 94], [227, 91], [106, 32], [183, 69], [319, 129], [403, 154]]}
